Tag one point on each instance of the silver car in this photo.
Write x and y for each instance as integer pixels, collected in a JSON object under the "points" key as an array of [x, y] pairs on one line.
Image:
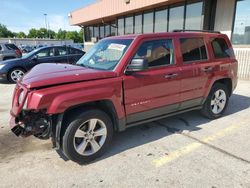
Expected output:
{"points": [[9, 51]]}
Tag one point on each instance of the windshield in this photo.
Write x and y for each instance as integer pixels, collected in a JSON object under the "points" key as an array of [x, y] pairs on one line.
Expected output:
{"points": [[106, 54]]}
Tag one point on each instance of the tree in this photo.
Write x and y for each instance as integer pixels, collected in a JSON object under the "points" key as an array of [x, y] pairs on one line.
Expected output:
{"points": [[75, 36], [4, 32], [21, 35], [61, 34], [32, 33]]}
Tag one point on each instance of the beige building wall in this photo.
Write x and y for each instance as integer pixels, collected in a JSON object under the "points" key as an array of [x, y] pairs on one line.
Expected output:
{"points": [[224, 16]]}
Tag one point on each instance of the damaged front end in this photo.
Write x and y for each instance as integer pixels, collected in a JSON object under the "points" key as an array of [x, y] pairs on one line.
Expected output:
{"points": [[36, 123]]}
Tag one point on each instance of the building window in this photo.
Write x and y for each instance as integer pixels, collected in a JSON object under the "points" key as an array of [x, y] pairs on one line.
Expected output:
{"points": [[120, 26], [88, 33], [96, 32], [157, 52], [176, 18], [113, 28], [129, 25], [241, 33], [102, 34], [138, 24], [161, 20], [193, 49], [194, 16], [148, 22], [107, 30]]}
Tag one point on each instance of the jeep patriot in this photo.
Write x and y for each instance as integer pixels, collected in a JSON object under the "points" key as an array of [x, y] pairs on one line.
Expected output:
{"points": [[121, 82]]}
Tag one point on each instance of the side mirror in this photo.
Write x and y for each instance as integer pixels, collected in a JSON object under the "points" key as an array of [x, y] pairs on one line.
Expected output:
{"points": [[34, 58], [137, 65]]}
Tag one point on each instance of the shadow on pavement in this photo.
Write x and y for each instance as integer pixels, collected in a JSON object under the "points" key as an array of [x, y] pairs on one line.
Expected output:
{"points": [[190, 121]]}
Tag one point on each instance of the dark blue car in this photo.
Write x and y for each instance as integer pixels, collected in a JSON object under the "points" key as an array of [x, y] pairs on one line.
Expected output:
{"points": [[12, 70]]}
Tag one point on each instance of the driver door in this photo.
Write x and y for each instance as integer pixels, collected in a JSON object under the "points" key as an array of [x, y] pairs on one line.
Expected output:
{"points": [[42, 56], [155, 91]]}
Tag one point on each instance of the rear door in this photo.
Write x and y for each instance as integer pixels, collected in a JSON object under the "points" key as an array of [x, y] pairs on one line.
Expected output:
{"points": [[74, 55], [61, 55], [195, 70], [153, 92]]}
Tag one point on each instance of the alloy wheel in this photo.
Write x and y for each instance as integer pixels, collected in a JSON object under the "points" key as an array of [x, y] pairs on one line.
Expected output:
{"points": [[90, 137], [218, 101], [16, 74]]}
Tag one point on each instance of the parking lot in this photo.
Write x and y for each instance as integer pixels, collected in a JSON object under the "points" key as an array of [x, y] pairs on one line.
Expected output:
{"points": [[187, 150]]}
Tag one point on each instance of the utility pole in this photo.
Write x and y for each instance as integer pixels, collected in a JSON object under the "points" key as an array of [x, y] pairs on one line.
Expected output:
{"points": [[46, 25]]}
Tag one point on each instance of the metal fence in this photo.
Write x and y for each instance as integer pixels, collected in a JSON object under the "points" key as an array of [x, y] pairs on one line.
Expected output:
{"points": [[243, 57]]}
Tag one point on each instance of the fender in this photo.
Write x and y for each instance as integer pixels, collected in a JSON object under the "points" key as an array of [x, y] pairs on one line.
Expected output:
{"points": [[57, 99]]}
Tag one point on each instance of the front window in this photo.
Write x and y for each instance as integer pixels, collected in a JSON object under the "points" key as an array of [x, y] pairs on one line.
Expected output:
{"points": [[106, 54]]}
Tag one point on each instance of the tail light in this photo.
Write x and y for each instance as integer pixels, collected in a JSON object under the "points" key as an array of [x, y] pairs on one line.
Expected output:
{"points": [[18, 52]]}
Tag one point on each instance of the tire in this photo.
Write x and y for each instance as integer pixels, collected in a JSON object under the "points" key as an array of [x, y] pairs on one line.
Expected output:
{"points": [[81, 145], [15, 74], [216, 102]]}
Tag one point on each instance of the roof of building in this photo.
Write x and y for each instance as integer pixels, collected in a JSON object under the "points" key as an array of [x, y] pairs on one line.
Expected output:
{"points": [[107, 10]]}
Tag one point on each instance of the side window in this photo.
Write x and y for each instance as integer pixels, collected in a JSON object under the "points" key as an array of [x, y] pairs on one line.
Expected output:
{"points": [[11, 46], [193, 49], [62, 51], [220, 48], [157, 53], [74, 51], [44, 53], [0, 47]]}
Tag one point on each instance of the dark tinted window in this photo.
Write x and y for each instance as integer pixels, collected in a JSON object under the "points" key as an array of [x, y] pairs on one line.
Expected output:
{"points": [[11, 46], [157, 53], [107, 30], [220, 48], [74, 51], [193, 49], [0, 47]]}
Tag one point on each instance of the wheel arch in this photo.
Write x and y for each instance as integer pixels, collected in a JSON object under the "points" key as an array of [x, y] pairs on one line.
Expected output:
{"points": [[72, 112], [227, 82]]}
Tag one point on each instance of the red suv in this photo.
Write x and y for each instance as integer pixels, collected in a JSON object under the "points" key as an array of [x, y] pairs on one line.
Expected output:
{"points": [[122, 82]]}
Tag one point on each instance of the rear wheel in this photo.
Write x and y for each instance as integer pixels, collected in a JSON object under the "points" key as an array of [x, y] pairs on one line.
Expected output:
{"points": [[216, 101], [15, 74], [88, 136]]}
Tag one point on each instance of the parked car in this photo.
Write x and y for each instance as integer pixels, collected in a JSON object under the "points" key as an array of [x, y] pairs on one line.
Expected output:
{"points": [[9, 51], [121, 82], [26, 49], [12, 70]]}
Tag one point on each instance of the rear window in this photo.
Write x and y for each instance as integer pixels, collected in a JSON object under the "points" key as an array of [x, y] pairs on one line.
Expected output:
{"points": [[220, 48], [193, 49], [11, 46]]}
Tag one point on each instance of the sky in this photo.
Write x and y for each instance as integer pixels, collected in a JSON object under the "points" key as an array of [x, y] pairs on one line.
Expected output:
{"points": [[22, 15]]}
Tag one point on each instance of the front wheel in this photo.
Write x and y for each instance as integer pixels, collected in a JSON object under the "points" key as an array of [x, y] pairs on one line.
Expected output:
{"points": [[216, 101], [88, 136], [15, 74]]}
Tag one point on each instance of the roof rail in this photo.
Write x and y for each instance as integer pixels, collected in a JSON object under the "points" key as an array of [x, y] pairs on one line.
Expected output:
{"points": [[184, 30]]}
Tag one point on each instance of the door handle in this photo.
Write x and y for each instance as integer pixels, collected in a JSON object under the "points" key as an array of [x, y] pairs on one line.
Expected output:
{"points": [[173, 75], [207, 69]]}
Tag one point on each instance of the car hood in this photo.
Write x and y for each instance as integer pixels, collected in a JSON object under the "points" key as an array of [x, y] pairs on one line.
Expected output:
{"points": [[48, 74]]}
